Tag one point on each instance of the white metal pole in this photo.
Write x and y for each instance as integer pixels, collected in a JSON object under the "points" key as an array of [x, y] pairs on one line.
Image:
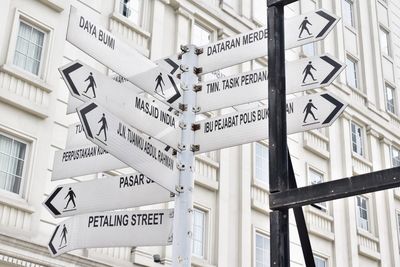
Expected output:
{"points": [[183, 215]]}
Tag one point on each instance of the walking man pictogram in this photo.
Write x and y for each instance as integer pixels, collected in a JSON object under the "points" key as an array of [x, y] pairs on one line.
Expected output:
{"points": [[104, 126], [308, 110], [159, 80], [92, 84], [64, 233], [307, 71], [303, 26], [71, 197]]}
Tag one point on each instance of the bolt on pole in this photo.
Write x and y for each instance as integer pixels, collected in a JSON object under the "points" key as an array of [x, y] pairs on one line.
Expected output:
{"points": [[278, 160], [183, 214]]}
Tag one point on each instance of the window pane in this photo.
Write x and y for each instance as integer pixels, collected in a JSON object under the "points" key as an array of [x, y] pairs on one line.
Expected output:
{"points": [[261, 161], [319, 262], [351, 73], [28, 50], [362, 212], [12, 156], [395, 157], [262, 251], [357, 139], [131, 9], [348, 15], [198, 232], [384, 40], [390, 105]]}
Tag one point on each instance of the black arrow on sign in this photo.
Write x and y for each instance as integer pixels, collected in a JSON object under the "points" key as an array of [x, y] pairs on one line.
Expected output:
{"points": [[330, 20], [177, 93], [52, 248], [48, 202], [173, 65], [336, 67], [338, 106], [83, 113], [67, 72]]}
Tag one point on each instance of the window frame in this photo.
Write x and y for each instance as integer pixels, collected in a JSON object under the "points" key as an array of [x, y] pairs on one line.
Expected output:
{"points": [[356, 73], [260, 232], [392, 158], [398, 227], [205, 212], [43, 72], [386, 31], [264, 184], [362, 141], [26, 173], [394, 95], [321, 258], [319, 206], [367, 210], [353, 22]]}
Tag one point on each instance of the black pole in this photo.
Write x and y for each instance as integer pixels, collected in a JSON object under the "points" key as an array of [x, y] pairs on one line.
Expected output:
{"points": [[278, 161], [301, 222]]}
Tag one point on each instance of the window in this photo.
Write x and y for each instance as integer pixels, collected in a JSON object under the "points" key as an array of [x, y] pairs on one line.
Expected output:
{"points": [[317, 178], [320, 262], [29, 48], [362, 212], [12, 161], [200, 36], [384, 41], [390, 99], [357, 139], [262, 251], [199, 218], [261, 163], [131, 9], [351, 73], [348, 12], [395, 157]]}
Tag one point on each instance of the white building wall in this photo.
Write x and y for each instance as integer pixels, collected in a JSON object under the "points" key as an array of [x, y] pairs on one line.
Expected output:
{"points": [[235, 202]]}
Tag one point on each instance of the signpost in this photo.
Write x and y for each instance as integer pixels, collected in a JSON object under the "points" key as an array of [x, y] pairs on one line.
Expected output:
{"points": [[83, 160], [242, 88], [113, 229], [250, 45], [85, 83], [110, 193], [92, 38], [304, 113], [141, 152]]}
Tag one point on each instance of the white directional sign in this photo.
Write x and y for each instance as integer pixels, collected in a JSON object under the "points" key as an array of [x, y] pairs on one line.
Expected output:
{"points": [[76, 136], [139, 151], [242, 88], [85, 83], [110, 193], [303, 113], [74, 103], [113, 229], [88, 35], [230, 51], [83, 160]]}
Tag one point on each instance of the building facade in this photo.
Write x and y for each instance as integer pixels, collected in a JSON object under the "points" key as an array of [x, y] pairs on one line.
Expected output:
{"points": [[231, 216]]}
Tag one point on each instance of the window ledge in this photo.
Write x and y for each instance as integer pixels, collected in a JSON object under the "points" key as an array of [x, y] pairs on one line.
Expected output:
{"points": [[319, 213], [367, 234], [362, 159], [128, 23], [323, 234], [260, 185], [208, 161], [207, 183], [57, 5], [261, 207], [199, 262], [27, 77], [16, 202], [389, 58]]}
